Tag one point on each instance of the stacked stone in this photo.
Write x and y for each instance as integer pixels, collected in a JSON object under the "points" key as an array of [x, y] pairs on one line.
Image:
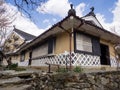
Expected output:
{"points": [[60, 81], [73, 81]]}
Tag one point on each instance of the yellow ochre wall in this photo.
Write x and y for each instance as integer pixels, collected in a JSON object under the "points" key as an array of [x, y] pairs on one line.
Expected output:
{"points": [[111, 47], [63, 43]]}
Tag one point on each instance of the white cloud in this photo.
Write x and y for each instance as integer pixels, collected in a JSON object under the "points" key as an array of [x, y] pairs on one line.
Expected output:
{"points": [[46, 21], [108, 26], [116, 12], [102, 20], [26, 25], [55, 7], [114, 26], [59, 7], [23, 23], [54, 19], [48, 27], [116, 17], [80, 9]]}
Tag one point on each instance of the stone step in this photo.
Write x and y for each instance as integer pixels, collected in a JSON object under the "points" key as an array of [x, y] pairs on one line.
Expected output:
{"points": [[11, 74], [10, 80], [15, 87], [14, 81]]}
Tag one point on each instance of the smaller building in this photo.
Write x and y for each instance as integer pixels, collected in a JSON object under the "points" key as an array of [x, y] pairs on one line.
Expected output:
{"points": [[14, 42]]}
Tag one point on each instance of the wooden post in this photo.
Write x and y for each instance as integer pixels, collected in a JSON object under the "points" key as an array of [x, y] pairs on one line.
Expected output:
{"points": [[70, 51], [49, 68]]}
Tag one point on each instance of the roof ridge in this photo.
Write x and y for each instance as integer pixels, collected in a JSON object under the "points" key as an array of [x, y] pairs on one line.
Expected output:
{"points": [[22, 31], [25, 35]]}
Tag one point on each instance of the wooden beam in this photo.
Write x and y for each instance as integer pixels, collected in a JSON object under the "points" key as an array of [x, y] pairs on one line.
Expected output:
{"points": [[59, 25]]}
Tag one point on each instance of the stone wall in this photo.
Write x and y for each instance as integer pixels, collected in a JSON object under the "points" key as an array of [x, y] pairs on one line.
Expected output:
{"points": [[73, 81]]}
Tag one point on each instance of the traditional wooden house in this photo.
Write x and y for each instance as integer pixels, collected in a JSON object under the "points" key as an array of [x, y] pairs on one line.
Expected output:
{"points": [[74, 41], [14, 42]]}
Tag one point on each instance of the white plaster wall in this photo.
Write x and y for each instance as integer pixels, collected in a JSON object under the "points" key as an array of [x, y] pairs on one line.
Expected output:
{"points": [[24, 63], [37, 63], [114, 62], [77, 60], [93, 19]]}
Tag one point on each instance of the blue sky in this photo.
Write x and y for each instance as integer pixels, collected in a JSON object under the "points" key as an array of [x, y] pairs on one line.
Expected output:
{"points": [[52, 11], [101, 6]]}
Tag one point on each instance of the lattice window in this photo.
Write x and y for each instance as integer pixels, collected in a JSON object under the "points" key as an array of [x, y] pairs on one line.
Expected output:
{"points": [[83, 43], [40, 51], [22, 58]]}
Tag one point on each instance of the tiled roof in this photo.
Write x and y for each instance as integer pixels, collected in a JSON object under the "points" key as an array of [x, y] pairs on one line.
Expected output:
{"points": [[25, 35]]}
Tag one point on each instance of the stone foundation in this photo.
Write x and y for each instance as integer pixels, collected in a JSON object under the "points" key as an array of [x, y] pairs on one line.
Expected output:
{"points": [[72, 81], [37, 80]]}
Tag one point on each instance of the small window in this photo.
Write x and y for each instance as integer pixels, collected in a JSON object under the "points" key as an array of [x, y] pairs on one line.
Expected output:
{"points": [[83, 43], [22, 56], [40, 51], [51, 45]]}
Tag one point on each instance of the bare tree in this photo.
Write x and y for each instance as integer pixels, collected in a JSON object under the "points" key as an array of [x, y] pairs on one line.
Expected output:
{"points": [[27, 6], [6, 19]]}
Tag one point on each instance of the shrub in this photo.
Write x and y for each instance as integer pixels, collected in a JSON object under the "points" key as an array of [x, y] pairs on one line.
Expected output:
{"points": [[77, 69], [14, 67], [62, 70]]}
